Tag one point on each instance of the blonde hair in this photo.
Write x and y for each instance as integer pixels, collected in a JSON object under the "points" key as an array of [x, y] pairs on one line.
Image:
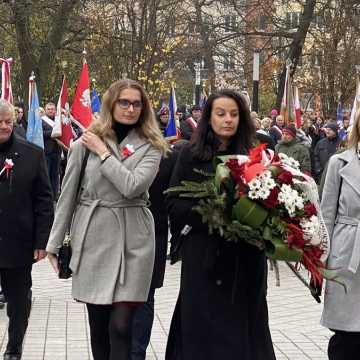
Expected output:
{"points": [[148, 127], [354, 137], [266, 123], [6, 107]]}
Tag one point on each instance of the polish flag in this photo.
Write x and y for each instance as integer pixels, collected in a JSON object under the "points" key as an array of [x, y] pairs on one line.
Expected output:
{"points": [[297, 108], [6, 91], [62, 129], [81, 107]]}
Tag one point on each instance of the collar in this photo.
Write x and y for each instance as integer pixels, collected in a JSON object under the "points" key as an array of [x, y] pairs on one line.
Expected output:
{"points": [[7, 144]]}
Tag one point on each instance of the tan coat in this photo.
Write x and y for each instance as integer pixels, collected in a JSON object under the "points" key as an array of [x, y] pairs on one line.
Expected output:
{"points": [[112, 230]]}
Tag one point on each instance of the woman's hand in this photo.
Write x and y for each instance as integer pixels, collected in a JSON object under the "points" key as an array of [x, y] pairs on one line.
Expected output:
{"points": [[53, 261], [94, 143]]}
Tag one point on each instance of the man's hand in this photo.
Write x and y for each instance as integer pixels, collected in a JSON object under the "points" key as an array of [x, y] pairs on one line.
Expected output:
{"points": [[54, 262], [39, 254]]}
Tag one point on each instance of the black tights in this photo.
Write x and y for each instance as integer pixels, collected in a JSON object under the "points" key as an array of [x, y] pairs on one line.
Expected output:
{"points": [[110, 331]]}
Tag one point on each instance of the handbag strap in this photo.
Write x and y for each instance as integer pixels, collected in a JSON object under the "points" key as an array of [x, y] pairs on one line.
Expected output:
{"points": [[82, 171]]}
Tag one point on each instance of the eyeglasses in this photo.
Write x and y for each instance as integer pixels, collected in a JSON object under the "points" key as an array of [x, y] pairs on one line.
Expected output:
{"points": [[125, 104]]}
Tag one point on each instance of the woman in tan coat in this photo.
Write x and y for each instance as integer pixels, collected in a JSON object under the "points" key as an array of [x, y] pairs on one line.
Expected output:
{"points": [[112, 233]]}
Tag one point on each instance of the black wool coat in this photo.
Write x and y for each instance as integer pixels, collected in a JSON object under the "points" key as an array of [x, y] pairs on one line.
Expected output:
{"points": [[159, 212], [221, 311], [26, 203]]}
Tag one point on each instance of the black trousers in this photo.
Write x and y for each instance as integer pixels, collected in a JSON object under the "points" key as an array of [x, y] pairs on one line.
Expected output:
{"points": [[344, 345], [141, 327], [16, 285]]}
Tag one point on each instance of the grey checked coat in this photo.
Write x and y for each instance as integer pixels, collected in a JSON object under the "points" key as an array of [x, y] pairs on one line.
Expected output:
{"points": [[342, 217], [112, 233]]}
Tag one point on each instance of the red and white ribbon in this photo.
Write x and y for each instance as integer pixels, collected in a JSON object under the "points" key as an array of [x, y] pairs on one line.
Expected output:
{"points": [[8, 165]]}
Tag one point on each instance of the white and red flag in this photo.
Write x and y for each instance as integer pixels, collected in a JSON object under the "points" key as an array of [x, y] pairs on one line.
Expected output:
{"points": [[297, 107], [81, 107], [62, 129], [6, 91], [287, 104]]}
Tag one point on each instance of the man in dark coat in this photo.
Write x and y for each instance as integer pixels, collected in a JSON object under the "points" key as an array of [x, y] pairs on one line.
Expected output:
{"points": [[188, 126], [325, 148], [26, 215], [276, 130], [51, 148], [144, 316]]}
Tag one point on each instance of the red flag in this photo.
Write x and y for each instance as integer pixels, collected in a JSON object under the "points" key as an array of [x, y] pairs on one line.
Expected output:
{"points": [[81, 107], [297, 107], [6, 91], [62, 129]]}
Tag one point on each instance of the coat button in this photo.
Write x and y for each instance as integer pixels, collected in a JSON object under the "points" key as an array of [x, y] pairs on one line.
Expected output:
{"points": [[218, 282]]}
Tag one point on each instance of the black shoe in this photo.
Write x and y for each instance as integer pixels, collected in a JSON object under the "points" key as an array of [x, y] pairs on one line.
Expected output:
{"points": [[12, 357], [13, 353]]}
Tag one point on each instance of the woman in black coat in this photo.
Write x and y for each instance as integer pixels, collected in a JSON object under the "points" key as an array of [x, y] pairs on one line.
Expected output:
{"points": [[221, 311]]}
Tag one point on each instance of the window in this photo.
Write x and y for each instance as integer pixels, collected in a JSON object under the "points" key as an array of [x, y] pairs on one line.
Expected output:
{"points": [[230, 23], [229, 62], [262, 22], [293, 19]]}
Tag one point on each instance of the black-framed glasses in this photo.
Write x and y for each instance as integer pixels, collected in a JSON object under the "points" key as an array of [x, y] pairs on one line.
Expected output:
{"points": [[125, 104]]}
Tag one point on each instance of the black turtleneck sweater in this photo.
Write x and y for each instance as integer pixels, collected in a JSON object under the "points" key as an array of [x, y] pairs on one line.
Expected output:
{"points": [[4, 147], [121, 130]]}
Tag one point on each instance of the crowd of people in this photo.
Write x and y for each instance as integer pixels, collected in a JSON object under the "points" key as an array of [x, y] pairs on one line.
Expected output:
{"points": [[112, 191]]}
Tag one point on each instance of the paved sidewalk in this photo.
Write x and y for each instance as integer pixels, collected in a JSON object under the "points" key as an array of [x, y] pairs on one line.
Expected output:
{"points": [[58, 330]]}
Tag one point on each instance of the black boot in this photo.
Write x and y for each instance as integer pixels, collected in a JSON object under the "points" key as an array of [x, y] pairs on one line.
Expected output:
{"points": [[13, 353]]}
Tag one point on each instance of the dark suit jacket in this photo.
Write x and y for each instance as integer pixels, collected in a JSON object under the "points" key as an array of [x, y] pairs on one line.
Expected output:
{"points": [[26, 203]]}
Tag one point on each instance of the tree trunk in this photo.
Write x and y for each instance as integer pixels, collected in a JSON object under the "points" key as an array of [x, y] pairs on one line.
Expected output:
{"points": [[296, 46], [41, 65]]}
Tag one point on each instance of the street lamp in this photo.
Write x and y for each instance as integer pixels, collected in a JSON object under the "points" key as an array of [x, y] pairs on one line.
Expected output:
{"points": [[256, 78]]}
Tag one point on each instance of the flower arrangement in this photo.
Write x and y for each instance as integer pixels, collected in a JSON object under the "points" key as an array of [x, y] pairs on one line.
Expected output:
{"points": [[265, 200]]}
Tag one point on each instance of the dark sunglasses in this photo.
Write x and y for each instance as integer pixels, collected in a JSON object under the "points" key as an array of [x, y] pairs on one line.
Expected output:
{"points": [[125, 104]]}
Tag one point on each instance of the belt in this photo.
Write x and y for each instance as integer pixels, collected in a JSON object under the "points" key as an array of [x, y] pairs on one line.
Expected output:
{"points": [[355, 256], [93, 204]]}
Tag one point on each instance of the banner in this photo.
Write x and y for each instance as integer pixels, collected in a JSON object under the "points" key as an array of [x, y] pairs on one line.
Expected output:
{"points": [[81, 107], [34, 133], [287, 104], [62, 129], [171, 129], [95, 102], [297, 108], [6, 90]]}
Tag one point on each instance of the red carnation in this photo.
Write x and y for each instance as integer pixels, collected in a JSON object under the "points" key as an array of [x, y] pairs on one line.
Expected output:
{"points": [[272, 200], [237, 170], [285, 177], [295, 236], [310, 209]]}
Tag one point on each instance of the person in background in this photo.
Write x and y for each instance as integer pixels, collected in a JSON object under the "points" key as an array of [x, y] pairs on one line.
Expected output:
{"points": [[144, 315], [343, 131], [26, 208], [221, 311], [51, 148], [291, 146], [273, 114], [276, 129], [325, 148], [340, 207], [188, 126], [262, 136], [163, 118], [19, 130]]}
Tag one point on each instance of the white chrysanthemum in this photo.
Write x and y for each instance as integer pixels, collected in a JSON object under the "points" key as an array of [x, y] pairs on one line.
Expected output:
{"points": [[289, 161], [261, 186], [255, 184], [291, 199], [311, 229]]}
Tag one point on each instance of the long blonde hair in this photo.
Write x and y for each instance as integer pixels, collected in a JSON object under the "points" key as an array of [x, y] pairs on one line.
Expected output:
{"points": [[148, 127], [354, 137]]}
